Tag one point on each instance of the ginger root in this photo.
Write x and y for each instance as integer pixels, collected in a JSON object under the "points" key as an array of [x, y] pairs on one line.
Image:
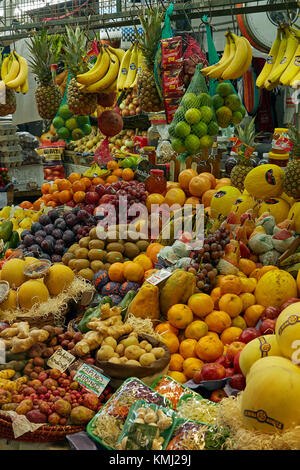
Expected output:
{"points": [[90, 341], [108, 312], [7, 374], [39, 336]]}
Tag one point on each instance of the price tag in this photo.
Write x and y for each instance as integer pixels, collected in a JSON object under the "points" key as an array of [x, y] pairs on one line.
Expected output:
{"points": [[91, 379], [60, 360], [159, 277]]}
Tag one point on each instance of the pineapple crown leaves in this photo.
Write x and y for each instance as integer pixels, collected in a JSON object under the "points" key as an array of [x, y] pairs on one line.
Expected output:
{"points": [[75, 44], [151, 20], [247, 133], [44, 52]]}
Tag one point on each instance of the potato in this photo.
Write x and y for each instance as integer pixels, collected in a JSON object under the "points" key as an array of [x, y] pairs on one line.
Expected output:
{"points": [[131, 340], [132, 362], [148, 347], [84, 242], [105, 353], [133, 352], [110, 341], [120, 349], [147, 359], [158, 352], [114, 360], [123, 360]]}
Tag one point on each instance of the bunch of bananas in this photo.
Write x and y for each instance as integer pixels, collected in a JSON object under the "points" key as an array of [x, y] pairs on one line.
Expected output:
{"points": [[282, 66], [131, 65], [102, 77], [14, 72], [235, 61]]}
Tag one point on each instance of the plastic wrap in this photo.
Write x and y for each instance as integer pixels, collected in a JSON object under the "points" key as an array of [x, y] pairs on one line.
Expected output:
{"points": [[170, 389], [196, 408]]}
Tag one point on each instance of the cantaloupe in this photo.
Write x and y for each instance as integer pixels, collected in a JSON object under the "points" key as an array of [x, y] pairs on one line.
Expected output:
{"points": [[270, 401], [10, 303], [58, 278], [288, 332], [31, 293], [274, 288], [256, 349], [12, 272], [294, 215], [270, 361]]}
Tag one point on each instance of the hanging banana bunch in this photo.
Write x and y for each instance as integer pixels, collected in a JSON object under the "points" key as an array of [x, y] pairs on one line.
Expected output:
{"points": [[14, 72]]}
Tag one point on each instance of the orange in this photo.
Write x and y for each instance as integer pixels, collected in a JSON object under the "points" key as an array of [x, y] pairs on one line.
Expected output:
{"points": [[74, 177], [265, 269], [207, 197], [231, 304], [55, 196], [51, 204], [53, 188], [248, 284], [154, 198], [224, 181], [127, 174], [218, 279], [144, 261], [194, 201], [231, 334], [175, 196], [199, 185], [178, 376], [211, 177], [216, 295], [212, 334], [133, 272], [239, 322], [112, 165], [246, 266], [218, 321], [241, 274], [176, 362], [63, 185], [152, 251], [97, 180], [47, 197], [180, 315], [201, 304], [65, 196], [116, 273], [230, 284], [45, 188], [196, 330], [112, 179], [79, 196], [171, 341], [209, 348], [118, 172], [172, 184], [26, 205], [247, 299], [191, 365], [87, 182], [255, 273], [166, 326], [253, 314], [187, 348], [78, 186], [185, 177], [37, 204]]}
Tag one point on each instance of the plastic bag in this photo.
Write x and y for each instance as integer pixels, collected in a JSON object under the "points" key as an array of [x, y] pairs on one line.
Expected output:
{"points": [[268, 223], [170, 389], [269, 258], [196, 408], [260, 244], [282, 245], [190, 435]]}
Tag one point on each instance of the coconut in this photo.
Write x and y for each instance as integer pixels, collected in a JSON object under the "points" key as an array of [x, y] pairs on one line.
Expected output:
{"points": [[110, 123]]}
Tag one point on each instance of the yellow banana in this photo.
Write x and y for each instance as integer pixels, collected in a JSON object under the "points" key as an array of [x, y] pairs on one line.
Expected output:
{"points": [[234, 69], [270, 86], [22, 75], [108, 79], [268, 67], [97, 72], [25, 87], [296, 81], [132, 69], [4, 67], [118, 52], [140, 66], [219, 69], [248, 60], [291, 46], [224, 58], [112, 87], [13, 71], [292, 69], [123, 71]]}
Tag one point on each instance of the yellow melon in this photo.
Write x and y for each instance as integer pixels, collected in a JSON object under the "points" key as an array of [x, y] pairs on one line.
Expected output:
{"points": [[59, 278], [222, 201], [10, 303], [12, 272], [270, 401], [242, 204], [274, 288], [288, 332], [288, 199], [277, 207], [265, 181], [256, 349], [31, 293], [294, 215], [270, 361]]}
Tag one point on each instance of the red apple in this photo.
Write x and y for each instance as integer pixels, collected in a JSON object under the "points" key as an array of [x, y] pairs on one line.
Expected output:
{"points": [[223, 360], [92, 197], [197, 377], [267, 327], [229, 371], [100, 189], [248, 335], [236, 363], [218, 395], [270, 312], [293, 300], [233, 349], [238, 382], [213, 371], [71, 204]]}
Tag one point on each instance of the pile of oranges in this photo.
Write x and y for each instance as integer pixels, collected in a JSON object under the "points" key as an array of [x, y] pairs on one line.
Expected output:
{"points": [[201, 331]]}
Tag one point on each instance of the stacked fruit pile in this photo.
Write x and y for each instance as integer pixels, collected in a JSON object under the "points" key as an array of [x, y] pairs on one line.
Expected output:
{"points": [[228, 106], [69, 127]]}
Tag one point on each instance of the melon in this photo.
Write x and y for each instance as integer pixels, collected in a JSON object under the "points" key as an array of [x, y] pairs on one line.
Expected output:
{"points": [[10, 303], [277, 207], [265, 181], [270, 361], [31, 293], [59, 278], [222, 201], [242, 204], [270, 401], [287, 332], [12, 272], [294, 215], [263, 346], [274, 288]]}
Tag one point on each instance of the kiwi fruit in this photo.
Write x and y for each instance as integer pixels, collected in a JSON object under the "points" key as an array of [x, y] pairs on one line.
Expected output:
{"points": [[97, 265], [115, 247], [67, 258], [114, 257], [81, 264], [86, 274], [107, 266], [131, 250], [96, 244], [81, 253], [142, 245], [96, 254], [73, 248], [72, 263], [112, 236], [84, 242], [132, 236], [93, 234]]}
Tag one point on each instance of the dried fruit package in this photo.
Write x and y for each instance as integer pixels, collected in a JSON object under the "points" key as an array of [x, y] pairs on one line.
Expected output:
{"points": [[171, 52], [173, 84], [170, 389], [192, 56]]}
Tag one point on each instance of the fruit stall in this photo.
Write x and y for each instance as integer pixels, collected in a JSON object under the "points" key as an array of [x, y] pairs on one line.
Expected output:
{"points": [[150, 239]]}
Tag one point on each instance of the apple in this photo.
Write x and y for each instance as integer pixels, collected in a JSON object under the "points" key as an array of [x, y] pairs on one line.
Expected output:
{"points": [[213, 371], [236, 363], [197, 377], [267, 327], [218, 395], [270, 312], [248, 335], [229, 371], [233, 349], [92, 197], [238, 382], [223, 360], [293, 300]]}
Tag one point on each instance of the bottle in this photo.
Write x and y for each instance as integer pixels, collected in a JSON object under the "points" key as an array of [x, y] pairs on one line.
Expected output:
{"points": [[156, 182], [153, 135], [150, 153]]}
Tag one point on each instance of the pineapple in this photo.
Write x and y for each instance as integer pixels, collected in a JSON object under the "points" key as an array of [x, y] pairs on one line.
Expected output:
{"points": [[244, 166], [10, 103], [291, 182], [75, 48], [151, 21], [48, 95]]}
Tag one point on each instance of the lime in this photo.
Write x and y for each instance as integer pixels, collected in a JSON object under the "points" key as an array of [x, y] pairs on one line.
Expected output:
{"points": [[64, 112], [58, 122], [63, 133], [192, 115], [82, 120], [192, 143], [206, 114], [204, 99], [213, 128], [199, 129], [172, 130], [182, 129], [218, 101], [206, 142], [237, 117], [87, 128], [177, 145], [224, 89], [233, 102], [77, 134], [71, 123], [189, 100]]}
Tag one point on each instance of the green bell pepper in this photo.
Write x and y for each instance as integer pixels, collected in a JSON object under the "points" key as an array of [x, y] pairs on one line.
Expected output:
{"points": [[93, 313], [126, 301], [6, 229], [14, 240]]}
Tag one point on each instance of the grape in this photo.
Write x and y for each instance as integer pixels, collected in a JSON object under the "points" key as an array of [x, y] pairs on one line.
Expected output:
{"points": [[214, 246], [201, 276], [206, 256], [206, 247], [206, 287], [204, 271], [211, 275], [200, 284]]}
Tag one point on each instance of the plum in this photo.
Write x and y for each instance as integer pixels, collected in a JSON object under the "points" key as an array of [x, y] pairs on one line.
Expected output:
{"points": [[47, 246], [62, 407], [38, 240], [45, 256], [35, 227], [71, 220], [24, 233], [49, 229], [68, 237], [82, 215], [44, 220], [53, 214], [50, 238], [57, 233], [76, 228], [56, 259], [59, 249], [28, 240], [60, 223], [81, 415], [41, 233]]}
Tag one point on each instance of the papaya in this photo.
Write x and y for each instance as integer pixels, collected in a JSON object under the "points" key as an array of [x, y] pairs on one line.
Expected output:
{"points": [[146, 302], [177, 289]]}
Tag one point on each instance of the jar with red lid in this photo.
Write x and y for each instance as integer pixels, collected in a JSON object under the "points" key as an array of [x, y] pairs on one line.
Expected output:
{"points": [[156, 182]]}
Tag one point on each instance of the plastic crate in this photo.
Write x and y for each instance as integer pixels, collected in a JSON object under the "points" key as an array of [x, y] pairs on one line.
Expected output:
{"points": [[27, 176], [7, 128]]}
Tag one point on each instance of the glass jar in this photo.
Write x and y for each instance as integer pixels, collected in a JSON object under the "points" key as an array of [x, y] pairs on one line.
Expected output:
{"points": [[156, 182], [279, 159], [153, 135], [278, 146], [150, 154]]}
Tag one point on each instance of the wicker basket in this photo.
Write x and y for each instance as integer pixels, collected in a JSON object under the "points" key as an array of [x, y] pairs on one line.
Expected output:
{"points": [[45, 433]]}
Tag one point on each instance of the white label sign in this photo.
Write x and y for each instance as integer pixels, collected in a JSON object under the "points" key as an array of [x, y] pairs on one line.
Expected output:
{"points": [[159, 277], [92, 380], [60, 360]]}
